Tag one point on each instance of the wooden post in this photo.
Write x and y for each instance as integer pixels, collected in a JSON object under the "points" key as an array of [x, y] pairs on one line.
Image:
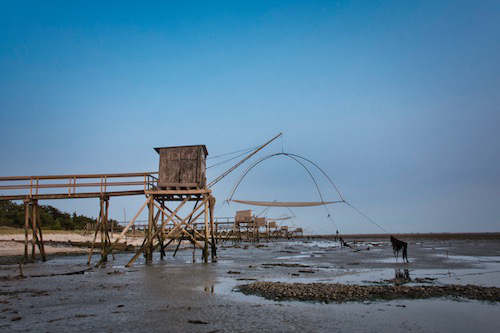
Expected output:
{"points": [[108, 243], [27, 205], [103, 229], [194, 245], [211, 203], [105, 239], [112, 224], [162, 233], [41, 246], [205, 248], [149, 234], [97, 229], [194, 252], [33, 230]]}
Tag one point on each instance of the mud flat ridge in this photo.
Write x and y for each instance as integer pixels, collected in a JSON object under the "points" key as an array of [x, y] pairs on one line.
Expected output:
{"points": [[336, 292]]}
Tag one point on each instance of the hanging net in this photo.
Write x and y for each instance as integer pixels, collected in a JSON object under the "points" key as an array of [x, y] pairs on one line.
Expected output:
{"points": [[285, 203]]}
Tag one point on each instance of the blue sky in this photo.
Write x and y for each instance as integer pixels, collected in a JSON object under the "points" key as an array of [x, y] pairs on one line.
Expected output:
{"points": [[398, 101]]}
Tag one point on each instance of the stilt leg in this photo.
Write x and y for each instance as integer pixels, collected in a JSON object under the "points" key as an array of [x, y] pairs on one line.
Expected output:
{"points": [[97, 229], [26, 226], [41, 246], [205, 248], [34, 240], [149, 234], [211, 203]]}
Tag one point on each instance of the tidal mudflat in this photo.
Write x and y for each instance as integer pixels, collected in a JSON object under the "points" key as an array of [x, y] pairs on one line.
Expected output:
{"points": [[175, 295]]}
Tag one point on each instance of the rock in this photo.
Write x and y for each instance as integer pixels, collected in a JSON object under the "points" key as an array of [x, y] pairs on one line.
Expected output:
{"points": [[341, 292]]}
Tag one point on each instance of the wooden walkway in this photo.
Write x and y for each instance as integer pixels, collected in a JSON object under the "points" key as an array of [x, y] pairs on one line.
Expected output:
{"points": [[76, 186]]}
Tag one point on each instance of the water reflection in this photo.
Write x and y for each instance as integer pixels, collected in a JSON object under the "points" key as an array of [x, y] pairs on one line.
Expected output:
{"points": [[401, 277], [209, 288]]}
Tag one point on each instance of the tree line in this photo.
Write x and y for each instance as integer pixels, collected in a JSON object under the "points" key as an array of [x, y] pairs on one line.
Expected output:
{"points": [[12, 215]]}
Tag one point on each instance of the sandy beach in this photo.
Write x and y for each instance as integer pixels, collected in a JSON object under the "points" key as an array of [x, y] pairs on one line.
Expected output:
{"points": [[12, 242]]}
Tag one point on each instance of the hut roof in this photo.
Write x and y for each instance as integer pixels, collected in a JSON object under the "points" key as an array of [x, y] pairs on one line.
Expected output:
{"points": [[203, 146]]}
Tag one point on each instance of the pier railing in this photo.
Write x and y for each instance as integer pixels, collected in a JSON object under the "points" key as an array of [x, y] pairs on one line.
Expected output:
{"points": [[76, 185]]}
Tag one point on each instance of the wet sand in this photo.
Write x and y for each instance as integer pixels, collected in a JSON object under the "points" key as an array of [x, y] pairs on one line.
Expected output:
{"points": [[178, 296]]}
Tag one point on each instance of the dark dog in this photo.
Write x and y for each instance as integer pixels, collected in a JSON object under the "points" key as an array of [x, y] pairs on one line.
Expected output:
{"points": [[397, 246]]}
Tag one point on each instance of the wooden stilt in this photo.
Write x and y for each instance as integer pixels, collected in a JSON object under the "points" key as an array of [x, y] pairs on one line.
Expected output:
{"points": [[33, 229], [205, 247], [213, 252], [194, 248], [194, 252], [97, 230], [26, 226], [41, 245], [104, 228], [149, 234], [166, 245], [177, 247], [162, 234]]}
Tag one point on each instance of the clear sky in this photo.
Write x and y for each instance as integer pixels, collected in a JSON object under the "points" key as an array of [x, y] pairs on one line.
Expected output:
{"points": [[397, 100]]}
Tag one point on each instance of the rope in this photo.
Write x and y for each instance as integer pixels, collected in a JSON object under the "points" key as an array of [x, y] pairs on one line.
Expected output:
{"points": [[229, 159], [366, 216], [231, 153], [231, 169], [329, 216]]}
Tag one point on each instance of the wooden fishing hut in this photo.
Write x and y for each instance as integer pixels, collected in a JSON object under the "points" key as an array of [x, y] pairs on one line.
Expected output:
{"points": [[272, 229], [243, 220], [182, 167], [181, 179], [259, 222]]}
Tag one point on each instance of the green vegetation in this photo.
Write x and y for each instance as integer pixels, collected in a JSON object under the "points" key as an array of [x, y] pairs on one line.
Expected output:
{"points": [[12, 215]]}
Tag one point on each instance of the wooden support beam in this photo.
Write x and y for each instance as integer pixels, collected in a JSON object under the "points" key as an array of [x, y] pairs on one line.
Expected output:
{"points": [[41, 245], [149, 234], [162, 234], [33, 230], [211, 202], [134, 258], [196, 233], [205, 247], [177, 192], [102, 229], [27, 208], [124, 231], [97, 229]]}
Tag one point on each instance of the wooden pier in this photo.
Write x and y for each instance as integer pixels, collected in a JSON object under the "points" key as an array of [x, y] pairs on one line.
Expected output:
{"points": [[177, 198]]}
